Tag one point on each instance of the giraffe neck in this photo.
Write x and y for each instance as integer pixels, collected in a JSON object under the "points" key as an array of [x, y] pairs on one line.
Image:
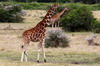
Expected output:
{"points": [[62, 12], [47, 17]]}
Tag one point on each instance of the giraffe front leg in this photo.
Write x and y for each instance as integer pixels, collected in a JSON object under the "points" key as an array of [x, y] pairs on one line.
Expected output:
{"points": [[52, 25], [43, 50], [58, 22], [38, 56]]}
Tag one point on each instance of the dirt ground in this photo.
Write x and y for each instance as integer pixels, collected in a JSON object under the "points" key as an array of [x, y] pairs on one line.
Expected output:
{"points": [[96, 14]]}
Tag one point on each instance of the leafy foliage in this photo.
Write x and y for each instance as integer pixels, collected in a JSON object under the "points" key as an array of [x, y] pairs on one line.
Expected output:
{"points": [[10, 13], [62, 1], [80, 19], [37, 5], [96, 27], [56, 38]]}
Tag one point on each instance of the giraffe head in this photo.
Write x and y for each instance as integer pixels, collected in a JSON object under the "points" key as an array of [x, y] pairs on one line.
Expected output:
{"points": [[55, 5], [66, 9]]}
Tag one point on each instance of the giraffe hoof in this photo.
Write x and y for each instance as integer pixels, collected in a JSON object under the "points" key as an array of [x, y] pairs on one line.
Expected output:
{"points": [[45, 60], [38, 61]]}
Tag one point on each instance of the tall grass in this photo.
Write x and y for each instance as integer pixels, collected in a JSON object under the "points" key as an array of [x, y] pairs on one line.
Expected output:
{"points": [[59, 58]]}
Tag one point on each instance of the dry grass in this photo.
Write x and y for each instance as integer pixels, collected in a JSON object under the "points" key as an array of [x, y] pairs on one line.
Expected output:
{"points": [[96, 14], [31, 15], [78, 54], [34, 15]]}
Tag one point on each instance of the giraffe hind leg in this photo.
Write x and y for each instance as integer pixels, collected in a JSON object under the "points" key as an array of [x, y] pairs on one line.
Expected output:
{"points": [[52, 26], [24, 54], [22, 57]]}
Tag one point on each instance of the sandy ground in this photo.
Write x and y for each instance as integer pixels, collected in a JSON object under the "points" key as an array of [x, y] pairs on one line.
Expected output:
{"points": [[10, 40], [33, 15], [96, 14]]}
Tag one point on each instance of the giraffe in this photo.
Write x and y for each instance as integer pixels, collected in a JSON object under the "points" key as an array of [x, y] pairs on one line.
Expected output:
{"points": [[37, 34], [56, 17]]}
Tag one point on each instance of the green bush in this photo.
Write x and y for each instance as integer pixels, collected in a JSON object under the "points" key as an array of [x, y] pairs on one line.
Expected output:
{"points": [[10, 13], [96, 27], [73, 5], [64, 1], [78, 5], [95, 7], [56, 38], [43, 6], [34, 6], [80, 19]]}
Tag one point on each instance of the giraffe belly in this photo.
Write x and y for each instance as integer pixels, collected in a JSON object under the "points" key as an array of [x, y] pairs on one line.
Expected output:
{"points": [[34, 40]]}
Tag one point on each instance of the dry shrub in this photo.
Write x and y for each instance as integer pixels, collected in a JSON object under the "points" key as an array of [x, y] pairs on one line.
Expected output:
{"points": [[56, 38]]}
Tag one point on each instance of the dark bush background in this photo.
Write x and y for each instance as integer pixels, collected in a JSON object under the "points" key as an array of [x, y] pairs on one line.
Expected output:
{"points": [[63, 1], [80, 19], [10, 13], [96, 27]]}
